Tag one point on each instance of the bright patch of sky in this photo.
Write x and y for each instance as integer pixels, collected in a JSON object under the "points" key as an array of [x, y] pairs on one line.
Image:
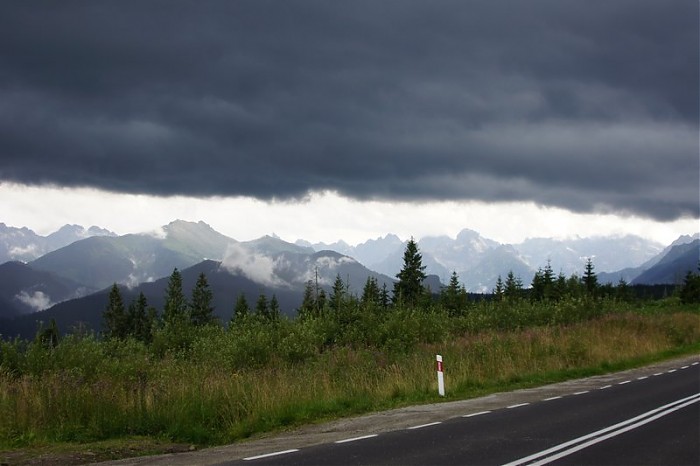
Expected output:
{"points": [[321, 217]]}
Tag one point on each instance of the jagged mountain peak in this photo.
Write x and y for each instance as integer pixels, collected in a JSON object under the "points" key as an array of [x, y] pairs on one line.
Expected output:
{"points": [[185, 225], [274, 245], [685, 239]]}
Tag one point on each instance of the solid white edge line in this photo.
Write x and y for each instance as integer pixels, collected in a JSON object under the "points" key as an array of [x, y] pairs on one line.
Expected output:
{"points": [[556, 448], [517, 406], [610, 435], [347, 440], [425, 425], [553, 398], [480, 413], [268, 455]]}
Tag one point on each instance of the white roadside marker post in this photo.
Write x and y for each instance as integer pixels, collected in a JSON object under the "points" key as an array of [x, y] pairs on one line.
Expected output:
{"points": [[440, 376]]}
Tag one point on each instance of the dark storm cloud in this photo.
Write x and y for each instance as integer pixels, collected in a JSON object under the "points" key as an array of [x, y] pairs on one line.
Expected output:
{"points": [[591, 106]]}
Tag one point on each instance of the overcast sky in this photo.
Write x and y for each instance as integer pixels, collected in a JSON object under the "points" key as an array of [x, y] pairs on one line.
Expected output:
{"points": [[350, 119]]}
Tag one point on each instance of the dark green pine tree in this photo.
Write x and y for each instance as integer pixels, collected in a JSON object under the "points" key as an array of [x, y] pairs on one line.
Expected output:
{"points": [[408, 290], [308, 304], [176, 308], [262, 307], [337, 294], [537, 286], [623, 291], [453, 297], [371, 297], [513, 287], [48, 337], [240, 311], [498, 291], [201, 309], [322, 301], [141, 319], [384, 299], [589, 279], [690, 290], [115, 319], [274, 313], [542, 287], [560, 286]]}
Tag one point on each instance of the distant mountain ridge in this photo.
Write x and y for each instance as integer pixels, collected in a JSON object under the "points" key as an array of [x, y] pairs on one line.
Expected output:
{"points": [[673, 266], [266, 266], [22, 244], [24, 290], [268, 263], [100, 261], [479, 261]]}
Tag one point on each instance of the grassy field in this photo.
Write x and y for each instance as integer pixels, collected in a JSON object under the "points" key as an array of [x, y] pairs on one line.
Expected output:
{"points": [[123, 398]]}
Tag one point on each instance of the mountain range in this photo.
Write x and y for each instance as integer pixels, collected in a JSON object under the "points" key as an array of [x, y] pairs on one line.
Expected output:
{"points": [[479, 261], [70, 280], [22, 244]]}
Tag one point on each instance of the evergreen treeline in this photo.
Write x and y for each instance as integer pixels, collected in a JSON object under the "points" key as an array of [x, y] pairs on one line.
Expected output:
{"points": [[549, 298], [346, 318]]}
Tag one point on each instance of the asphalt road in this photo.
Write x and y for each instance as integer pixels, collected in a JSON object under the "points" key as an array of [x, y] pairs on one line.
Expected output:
{"points": [[652, 419], [649, 415]]}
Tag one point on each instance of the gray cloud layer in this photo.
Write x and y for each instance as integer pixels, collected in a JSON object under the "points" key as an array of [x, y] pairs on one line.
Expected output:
{"points": [[584, 105]]}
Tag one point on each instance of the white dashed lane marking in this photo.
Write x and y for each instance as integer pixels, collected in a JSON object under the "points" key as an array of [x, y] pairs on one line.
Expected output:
{"points": [[425, 425], [354, 439], [517, 406], [480, 413], [268, 455]]}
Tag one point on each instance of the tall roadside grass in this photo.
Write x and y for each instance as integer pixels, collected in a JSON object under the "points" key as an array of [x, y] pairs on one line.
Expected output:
{"points": [[231, 384]]}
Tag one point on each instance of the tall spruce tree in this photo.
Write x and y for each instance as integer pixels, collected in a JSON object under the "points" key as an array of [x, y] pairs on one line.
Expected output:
{"points": [[48, 337], [453, 297], [590, 280], [115, 319], [240, 311], [262, 307], [141, 319], [370, 293], [690, 290], [513, 287], [308, 304], [409, 290], [384, 299], [274, 312], [176, 308], [337, 296], [201, 310], [499, 289]]}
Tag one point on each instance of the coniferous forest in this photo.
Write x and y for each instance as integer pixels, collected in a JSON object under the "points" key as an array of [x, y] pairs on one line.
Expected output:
{"points": [[178, 374]]}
